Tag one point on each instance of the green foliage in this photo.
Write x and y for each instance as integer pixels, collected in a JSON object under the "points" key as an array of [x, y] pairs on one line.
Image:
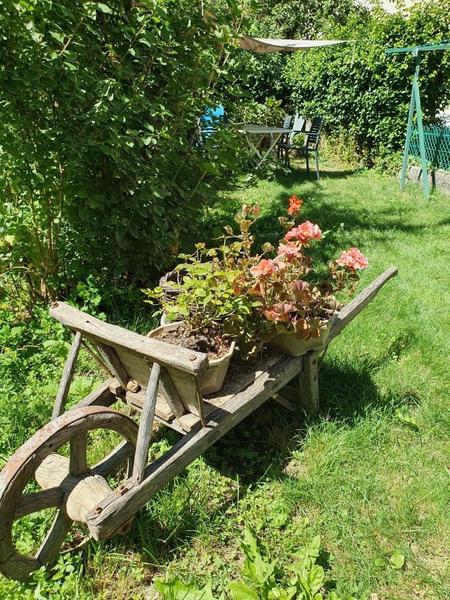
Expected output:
{"points": [[296, 19], [263, 578], [99, 104], [207, 295], [362, 92], [268, 113], [370, 474]]}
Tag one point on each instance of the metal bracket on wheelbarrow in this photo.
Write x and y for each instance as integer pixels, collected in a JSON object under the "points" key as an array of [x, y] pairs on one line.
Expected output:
{"points": [[161, 381]]}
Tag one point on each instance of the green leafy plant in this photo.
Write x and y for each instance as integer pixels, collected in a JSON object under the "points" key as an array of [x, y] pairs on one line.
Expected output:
{"points": [[99, 102], [251, 296], [264, 578], [362, 93], [207, 296]]}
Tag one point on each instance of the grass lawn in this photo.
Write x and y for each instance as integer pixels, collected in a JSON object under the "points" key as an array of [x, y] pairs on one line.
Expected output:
{"points": [[369, 475]]}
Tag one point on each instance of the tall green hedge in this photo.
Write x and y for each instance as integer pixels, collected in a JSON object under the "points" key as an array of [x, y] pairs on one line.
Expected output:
{"points": [[99, 102], [360, 91]]}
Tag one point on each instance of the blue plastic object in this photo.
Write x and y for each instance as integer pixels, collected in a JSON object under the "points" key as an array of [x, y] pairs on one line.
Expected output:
{"points": [[210, 118]]}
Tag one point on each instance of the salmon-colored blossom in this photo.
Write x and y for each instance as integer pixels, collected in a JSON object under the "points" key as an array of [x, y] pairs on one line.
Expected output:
{"points": [[295, 204], [304, 233], [280, 263], [279, 312], [264, 268], [291, 250], [353, 259]]}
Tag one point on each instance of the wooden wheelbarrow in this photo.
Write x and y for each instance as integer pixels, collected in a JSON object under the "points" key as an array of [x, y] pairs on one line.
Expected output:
{"points": [[160, 380]]}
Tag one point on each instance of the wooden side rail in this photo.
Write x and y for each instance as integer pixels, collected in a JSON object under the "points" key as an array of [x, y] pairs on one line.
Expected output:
{"points": [[158, 351], [353, 308]]}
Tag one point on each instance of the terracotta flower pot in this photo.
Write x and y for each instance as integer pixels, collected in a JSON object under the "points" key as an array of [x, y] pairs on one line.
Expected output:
{"points": [[290, 344], [212, 379]]}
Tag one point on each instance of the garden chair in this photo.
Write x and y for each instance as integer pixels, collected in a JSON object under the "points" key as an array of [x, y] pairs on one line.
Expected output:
{"points": [[210, 119], [311, 145], [287, 124], [286, 141]]}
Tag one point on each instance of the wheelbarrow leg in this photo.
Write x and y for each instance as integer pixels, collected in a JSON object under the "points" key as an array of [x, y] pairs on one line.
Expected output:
{"points": [[308, 382], [146, 424]]}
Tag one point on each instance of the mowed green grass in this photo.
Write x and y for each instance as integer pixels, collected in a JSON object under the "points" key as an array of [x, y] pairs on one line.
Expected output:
{"points": [[369, 474]]}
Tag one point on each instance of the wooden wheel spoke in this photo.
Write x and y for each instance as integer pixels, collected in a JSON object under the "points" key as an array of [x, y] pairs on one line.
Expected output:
{"points": [[115, 459], [67, 484], [55, 537], [78, 454], [31, 503]]}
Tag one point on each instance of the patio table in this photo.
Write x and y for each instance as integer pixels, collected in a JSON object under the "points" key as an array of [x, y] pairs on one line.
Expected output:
{"points": [[254, 134]]}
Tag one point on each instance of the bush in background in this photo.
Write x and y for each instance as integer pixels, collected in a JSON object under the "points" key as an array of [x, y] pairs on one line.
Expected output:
{"points": [[362, 92], [99, 103]]}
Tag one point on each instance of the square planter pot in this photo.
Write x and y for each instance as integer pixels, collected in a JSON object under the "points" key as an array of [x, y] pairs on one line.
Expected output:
{"points": [[289, 343], [211, 380]]}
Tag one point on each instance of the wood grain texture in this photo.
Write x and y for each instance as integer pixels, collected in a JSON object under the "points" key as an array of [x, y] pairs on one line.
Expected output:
{"points": [[112, 335], [82, 493], [308, 382], [146, 423], [170, 393], [66, 379], [30, 503], [117, 510], [49, 550], [162, 409], [186, 386], [25, 464], [114, 364]]}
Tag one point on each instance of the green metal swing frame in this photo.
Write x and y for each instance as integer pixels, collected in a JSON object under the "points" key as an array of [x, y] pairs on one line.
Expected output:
{"points": [[415, 109]]}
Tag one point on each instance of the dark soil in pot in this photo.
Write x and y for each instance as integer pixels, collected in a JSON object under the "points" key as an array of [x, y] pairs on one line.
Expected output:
{"points": [[209, 341]]}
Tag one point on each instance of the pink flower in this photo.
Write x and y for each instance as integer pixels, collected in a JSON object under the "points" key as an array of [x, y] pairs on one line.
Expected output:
{"points": [[295, 204], [264, 268], [280, 263], [279, 312], [304, 233], [290, 250], [352, 259]]}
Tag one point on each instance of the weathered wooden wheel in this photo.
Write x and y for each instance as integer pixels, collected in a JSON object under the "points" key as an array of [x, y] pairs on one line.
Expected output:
{"points": [[68, 484]]}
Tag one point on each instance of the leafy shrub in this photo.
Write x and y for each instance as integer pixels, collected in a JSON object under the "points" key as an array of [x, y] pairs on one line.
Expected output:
{"points": [[296, 19], [362, 92], [268, 113], [99, 104]]}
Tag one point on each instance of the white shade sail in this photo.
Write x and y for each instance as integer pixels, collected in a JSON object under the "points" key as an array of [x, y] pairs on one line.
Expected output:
{"points": [[277, 45]]}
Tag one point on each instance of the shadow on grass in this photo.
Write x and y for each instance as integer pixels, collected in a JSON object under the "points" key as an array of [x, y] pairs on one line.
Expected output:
{"points": [[259, 448], [348, 223]]}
